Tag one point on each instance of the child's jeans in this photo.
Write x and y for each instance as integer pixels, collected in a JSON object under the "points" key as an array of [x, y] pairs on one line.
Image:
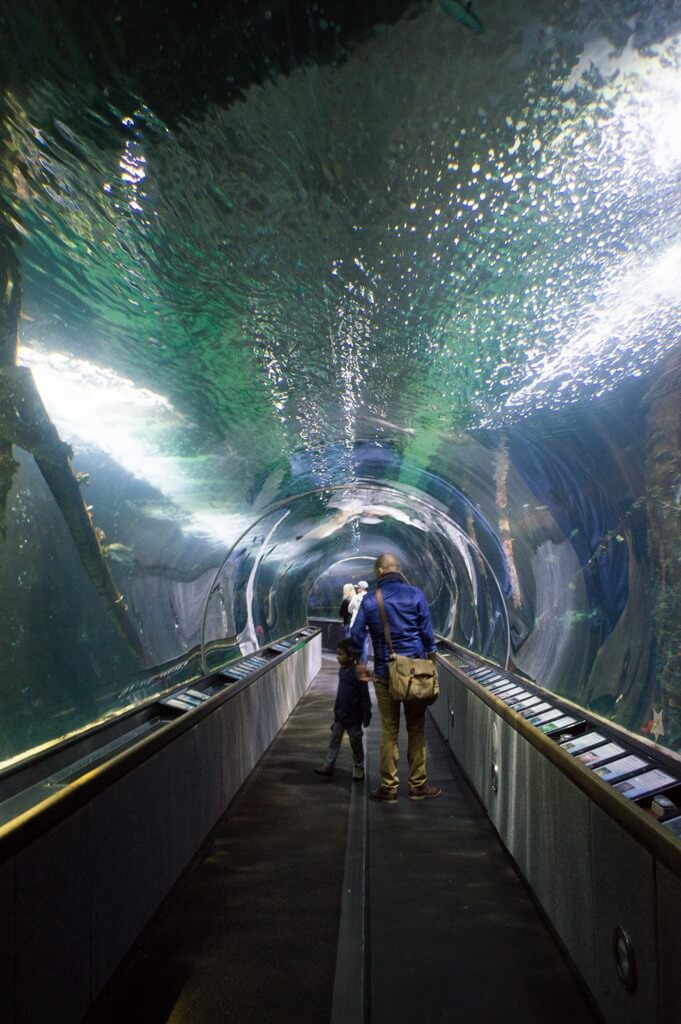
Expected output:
{"points": [[354, 735]]}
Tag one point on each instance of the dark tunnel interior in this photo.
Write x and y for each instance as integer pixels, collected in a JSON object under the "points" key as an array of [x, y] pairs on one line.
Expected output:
{"points": [[285, 285]]}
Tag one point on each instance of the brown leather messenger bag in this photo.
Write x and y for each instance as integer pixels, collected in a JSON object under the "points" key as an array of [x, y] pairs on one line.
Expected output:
{"points": [[408, 678]]}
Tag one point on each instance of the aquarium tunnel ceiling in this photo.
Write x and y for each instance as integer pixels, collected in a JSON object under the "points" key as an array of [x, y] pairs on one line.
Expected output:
{"points": [[301, 282]]}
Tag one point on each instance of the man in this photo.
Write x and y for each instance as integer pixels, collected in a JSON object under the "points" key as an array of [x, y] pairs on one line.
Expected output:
{"points": [[411, 632], [355, 601]]}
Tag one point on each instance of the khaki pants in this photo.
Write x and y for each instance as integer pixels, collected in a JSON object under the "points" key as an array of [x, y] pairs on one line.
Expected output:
{"points": [[415, 716]]}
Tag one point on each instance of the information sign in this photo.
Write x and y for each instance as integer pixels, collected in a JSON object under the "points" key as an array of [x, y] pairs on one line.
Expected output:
{"points": [[642, 785], [546, 716], [173, 702], [505, 694], [564, 722], [529, 702], [239, 671], [622, 766], [516, 698], [190, 699], [503, 685], [589, 739], [605, 753], [529, 712]]}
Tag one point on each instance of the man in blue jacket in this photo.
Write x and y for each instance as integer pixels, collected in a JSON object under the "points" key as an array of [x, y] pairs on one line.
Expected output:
{"points": [[411, 632]]}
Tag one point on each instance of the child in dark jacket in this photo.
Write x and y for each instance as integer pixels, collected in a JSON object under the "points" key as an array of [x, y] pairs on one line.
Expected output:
{"points": [[351, 711]]}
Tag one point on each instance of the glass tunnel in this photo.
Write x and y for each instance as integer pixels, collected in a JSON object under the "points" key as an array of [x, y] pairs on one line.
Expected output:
{"points": [[285, 285]]}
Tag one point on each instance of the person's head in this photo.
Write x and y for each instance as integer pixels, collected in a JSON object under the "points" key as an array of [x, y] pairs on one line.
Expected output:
{"points": [[362, 587], [348, 591], [345, 653], [386, 563]]}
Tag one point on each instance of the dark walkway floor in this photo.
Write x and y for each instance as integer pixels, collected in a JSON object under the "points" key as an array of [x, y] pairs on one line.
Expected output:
{"points": [[249, 935]]}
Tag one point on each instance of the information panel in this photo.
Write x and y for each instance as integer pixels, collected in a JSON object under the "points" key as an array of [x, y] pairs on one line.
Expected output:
{"points": [[198, 694], [564, 722], [513, 692], [515, 698], [504, 687], [484, 673], [529, 702], [589, 739], [546, 716], [605, 753], [529, 712], [643, 785], [621, 767]]}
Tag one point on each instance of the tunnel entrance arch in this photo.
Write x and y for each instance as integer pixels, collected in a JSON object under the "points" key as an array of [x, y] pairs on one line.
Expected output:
{"points": [[324, 596], [230, 582]]}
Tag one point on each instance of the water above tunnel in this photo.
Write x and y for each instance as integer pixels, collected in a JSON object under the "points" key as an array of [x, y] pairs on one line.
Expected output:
{"points": [[413, 287]]}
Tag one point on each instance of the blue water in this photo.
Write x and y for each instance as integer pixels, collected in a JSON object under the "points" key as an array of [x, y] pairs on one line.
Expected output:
{"points": [[434, 271]]}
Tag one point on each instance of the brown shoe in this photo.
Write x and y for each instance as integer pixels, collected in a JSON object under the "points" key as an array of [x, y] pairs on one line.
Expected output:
{"points": [[421, 792], [386, 796]]}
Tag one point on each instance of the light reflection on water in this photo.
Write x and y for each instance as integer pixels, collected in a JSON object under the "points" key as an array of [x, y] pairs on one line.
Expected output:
{"points": [[396, 214], [367, 267]]}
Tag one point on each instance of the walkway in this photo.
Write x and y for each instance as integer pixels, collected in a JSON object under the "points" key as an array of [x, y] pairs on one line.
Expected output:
{"points": [[249, 935]]}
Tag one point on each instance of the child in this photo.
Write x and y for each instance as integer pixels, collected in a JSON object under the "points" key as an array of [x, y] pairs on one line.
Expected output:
{"points": [[351, 711]]}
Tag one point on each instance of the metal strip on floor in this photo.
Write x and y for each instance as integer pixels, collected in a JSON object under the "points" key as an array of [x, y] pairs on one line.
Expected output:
{"points": [[350, 1003]]}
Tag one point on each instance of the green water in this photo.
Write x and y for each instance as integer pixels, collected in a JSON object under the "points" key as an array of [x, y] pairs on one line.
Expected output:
{"points": [[371, 226]]}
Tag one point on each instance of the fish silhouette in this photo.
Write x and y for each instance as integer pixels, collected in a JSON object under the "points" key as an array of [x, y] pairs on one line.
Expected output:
{"points": [[463, 12]]}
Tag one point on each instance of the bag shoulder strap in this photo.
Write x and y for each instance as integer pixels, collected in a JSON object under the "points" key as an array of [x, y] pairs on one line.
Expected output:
{"points": [[384, 618]]}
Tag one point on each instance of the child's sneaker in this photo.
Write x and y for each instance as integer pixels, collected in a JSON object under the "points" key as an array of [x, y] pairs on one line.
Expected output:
{"points": [[357, 773], [325, 769]]}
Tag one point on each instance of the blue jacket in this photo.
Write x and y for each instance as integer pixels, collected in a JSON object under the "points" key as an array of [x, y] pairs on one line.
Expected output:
{"points": [[408, 617], [353, 702]]}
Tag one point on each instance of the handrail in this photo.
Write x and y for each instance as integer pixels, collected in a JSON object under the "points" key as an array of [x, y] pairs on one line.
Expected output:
{"points": [[632, 818], [36, 820]]}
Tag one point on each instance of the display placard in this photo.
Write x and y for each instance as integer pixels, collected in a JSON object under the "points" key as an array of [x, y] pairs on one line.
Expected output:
{"points": [[531, 711], [239, 671], [191, 699], [199, 694], [505, 694], [517, 697], [605, 753], [529, 702], [494, 679], [500, 687], [622, 766], [564, 722], [546, 716], [178, 702], [643, 785], [483, 673], [589, 739]]}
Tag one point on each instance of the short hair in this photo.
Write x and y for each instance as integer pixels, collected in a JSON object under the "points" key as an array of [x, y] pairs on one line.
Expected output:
{"points": [[387, 562], [346, 646]]}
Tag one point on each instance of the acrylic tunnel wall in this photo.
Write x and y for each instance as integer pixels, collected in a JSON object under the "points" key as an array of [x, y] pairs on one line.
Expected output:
{"points": [[287, 285]]}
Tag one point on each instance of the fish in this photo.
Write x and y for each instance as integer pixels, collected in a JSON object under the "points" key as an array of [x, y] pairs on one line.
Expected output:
{"points": [[118, 553], [463, 12]]}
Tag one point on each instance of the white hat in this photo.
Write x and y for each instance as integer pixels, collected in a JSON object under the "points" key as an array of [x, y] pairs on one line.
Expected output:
{"points": [[363, 585]]}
